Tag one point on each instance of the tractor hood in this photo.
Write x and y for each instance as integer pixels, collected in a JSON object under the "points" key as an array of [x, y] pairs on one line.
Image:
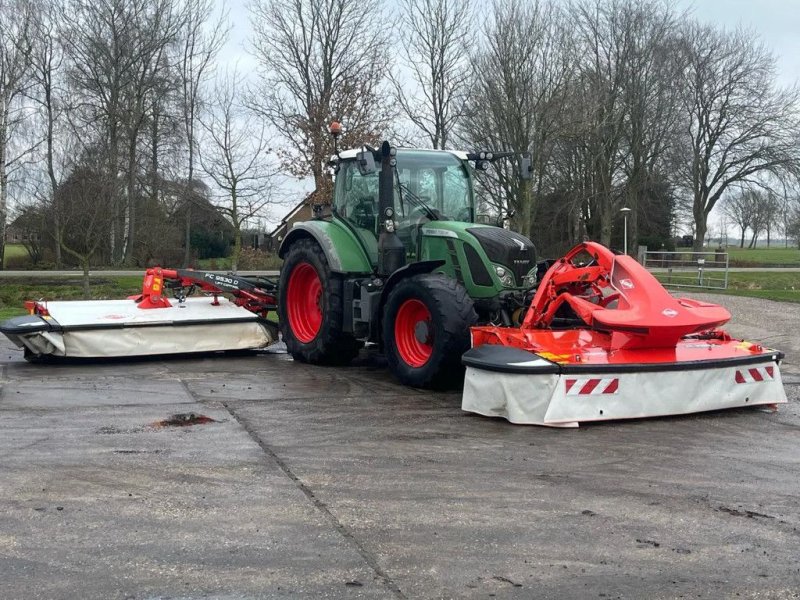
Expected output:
{"points": [[507, 248]]}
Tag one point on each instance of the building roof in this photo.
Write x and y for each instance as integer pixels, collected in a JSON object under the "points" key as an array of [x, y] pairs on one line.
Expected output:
{"points": [[291, 213]]}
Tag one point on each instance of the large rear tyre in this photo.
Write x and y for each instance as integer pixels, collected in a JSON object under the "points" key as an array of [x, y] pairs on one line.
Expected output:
{"points": [[426, 330], [310, 308]]}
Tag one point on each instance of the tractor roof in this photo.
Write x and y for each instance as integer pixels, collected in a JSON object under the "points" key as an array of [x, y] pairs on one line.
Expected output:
{"points": [[350, 154]]}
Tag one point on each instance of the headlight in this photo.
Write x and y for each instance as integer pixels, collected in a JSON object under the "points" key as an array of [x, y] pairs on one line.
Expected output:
{"points": [[530, 278], [506, 278]]}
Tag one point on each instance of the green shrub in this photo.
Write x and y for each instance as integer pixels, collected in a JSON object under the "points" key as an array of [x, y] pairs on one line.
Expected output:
{"points": [[252, 259]]}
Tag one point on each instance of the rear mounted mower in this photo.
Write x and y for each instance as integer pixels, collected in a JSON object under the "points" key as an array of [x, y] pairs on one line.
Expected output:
{"points": [[603, 340], [150, 323]]}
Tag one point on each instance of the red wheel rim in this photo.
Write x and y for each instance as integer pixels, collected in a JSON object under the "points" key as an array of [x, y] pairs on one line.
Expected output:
{"points": [[413, 318], [304, 302]]}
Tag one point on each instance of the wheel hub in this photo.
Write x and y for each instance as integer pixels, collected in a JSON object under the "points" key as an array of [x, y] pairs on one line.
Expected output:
{"points": [[422, 332]]}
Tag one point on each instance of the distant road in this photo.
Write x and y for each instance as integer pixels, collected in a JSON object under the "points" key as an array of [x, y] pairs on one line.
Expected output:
{"points": [[135, 273], [132, 273], [730, 270]]}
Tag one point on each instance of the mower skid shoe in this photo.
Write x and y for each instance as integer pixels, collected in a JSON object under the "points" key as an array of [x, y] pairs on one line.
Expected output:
{"points": [[526, 388]]}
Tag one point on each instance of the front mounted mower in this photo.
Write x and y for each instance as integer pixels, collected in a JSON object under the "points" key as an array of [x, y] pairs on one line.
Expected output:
{"points": [[603, 340]]}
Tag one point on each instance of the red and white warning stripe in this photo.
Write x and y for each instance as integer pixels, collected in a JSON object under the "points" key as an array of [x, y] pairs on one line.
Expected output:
{"points": [[755, 374], [591, 386]]}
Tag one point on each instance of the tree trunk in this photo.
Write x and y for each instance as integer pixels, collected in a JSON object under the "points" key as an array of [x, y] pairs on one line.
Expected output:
{"points": [[51, 173], [131, 193], [700, 227], [86, 291], [527, 208], [3, 210], [237, 248], [187, 235], [605, 225], [117, 221], [3, 178]]}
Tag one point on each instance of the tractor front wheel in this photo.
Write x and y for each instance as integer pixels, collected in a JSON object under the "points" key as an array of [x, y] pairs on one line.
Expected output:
{"points": [[426, 330], [310, 308]]}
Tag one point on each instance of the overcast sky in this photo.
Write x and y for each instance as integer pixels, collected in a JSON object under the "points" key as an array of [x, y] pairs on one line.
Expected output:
{"points": [[776, 21]]}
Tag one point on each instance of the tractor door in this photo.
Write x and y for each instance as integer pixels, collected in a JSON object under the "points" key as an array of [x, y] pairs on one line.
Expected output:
{"points": [[356, 202]]}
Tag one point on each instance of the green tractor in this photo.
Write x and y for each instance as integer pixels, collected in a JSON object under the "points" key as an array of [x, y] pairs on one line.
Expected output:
{"points": [[399, 261]]}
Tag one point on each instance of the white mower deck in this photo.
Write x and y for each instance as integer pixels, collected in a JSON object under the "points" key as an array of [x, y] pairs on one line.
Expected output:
{"points": [[526, 388], [118, 328]]}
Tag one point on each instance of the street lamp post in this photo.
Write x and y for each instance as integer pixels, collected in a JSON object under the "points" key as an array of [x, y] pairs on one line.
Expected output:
{"points": [[625, 210]]}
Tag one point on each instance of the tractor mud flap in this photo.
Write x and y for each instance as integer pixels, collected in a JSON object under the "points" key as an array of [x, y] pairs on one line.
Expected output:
{"points": [[526, 388], [118, 328]]}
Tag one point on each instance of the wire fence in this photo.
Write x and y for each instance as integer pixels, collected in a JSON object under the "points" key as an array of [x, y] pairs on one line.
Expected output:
{"points": [[705, 270]]}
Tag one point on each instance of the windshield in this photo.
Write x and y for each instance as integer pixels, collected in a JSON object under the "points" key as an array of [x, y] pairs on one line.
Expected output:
{"points": [[433, 181]]}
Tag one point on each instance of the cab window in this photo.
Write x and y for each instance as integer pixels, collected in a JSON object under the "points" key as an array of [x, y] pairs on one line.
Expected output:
{"points": [[357, 197]]}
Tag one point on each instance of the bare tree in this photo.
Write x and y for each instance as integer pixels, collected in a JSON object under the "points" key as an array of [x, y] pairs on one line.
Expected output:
{"points": [[81, 218], [435, 36], [47, 60], [200, 44], [320, 60], [156, 28], [772, 215], [516, 99], [650, 98], [793, 222], [97, 38], [623, 96], [16, 46], [117, 52], [739, 207], [736, 124], [234, 155]]}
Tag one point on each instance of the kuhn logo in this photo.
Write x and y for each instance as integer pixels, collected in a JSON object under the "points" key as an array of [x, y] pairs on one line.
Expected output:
{"points": [[668, 312], [626, 283]]}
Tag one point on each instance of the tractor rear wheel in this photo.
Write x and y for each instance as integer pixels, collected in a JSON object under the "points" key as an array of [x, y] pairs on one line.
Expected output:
{"points": [[426, 330], [310, 308]]}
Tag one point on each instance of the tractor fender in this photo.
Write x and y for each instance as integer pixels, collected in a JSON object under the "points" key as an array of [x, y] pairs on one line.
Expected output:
{"points": [[417, 268], [342, 251]]}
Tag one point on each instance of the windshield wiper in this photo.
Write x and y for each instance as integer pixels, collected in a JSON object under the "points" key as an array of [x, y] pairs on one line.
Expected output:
{"points": [[416, 201]]}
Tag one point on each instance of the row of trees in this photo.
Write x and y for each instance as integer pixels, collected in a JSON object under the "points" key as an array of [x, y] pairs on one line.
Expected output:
{"points": [[623, 103], [118, 134], [756, 212], [116, 109]]}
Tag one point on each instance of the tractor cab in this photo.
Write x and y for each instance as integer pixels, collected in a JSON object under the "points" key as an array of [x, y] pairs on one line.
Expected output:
{"points": [[430, 185]]}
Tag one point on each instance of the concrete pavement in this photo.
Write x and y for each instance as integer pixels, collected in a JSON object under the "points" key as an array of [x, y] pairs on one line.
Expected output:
{"points": [[315, 482]]}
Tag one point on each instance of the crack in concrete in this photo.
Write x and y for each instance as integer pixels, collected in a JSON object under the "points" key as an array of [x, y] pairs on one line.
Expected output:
{"points": [[340, 527]]}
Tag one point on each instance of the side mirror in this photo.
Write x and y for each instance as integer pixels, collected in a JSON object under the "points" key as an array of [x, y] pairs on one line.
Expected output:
{"points": [[525, 166], [366, 163]]}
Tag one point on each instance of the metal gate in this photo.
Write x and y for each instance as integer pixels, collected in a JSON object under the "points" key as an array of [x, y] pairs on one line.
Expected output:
{"points": [[687, 268]]}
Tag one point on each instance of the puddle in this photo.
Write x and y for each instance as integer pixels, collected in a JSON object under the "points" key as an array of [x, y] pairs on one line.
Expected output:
{"points": [[184, 420]]}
